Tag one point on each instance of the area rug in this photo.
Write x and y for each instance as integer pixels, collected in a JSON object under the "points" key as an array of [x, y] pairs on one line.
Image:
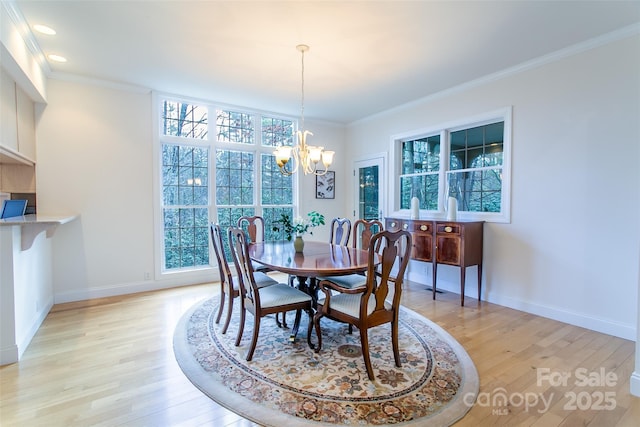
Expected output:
{"points": [[288, 384]]}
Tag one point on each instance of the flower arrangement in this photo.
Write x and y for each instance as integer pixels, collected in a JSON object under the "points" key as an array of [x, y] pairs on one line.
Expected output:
{"points": [[299, 225]]}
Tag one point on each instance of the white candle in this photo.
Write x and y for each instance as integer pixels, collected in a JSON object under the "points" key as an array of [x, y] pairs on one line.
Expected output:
{"points": [[415, 208], [452, 208]]}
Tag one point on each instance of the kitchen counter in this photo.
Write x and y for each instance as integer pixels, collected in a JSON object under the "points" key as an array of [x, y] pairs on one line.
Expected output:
{"points": [[32, 225]]}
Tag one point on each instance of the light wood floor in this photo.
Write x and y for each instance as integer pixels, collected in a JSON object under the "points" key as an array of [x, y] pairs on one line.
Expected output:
{"points": [[110, 362]]}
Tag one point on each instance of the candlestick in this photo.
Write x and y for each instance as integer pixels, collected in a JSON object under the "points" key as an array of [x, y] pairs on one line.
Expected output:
{"points": [[415, 208], [452, 209]]}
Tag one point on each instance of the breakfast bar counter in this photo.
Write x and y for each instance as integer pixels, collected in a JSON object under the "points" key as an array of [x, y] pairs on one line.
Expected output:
{"points": [[26, 279]]}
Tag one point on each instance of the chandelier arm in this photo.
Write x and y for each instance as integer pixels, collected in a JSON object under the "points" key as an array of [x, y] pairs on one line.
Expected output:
{"points": [[295, 155]]}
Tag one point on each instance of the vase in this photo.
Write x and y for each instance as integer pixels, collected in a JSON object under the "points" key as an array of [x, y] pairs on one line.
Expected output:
{"points": [[298, 244]]}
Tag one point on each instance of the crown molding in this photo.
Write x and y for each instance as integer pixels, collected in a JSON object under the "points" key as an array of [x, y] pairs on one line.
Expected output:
{"points": [[16, 16], [575, 49]]}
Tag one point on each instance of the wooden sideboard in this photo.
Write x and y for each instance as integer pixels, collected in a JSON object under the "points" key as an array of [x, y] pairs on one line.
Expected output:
{"points": [[454, 243]]}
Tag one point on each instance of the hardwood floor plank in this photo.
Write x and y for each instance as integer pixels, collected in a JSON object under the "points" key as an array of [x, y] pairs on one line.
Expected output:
{"points": [[110, 362]]}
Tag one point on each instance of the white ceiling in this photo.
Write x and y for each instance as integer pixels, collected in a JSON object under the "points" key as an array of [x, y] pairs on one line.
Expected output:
{"points": [[365, 56]]}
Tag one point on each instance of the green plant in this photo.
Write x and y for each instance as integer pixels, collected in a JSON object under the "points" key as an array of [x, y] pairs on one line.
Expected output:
{"points": [[298, 225]]}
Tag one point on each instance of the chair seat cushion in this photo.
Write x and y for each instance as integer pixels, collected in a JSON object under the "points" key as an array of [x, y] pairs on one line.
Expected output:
{"points": [[349, 281], [281, 294], [262, 280], [259, 267], [350, 304]]}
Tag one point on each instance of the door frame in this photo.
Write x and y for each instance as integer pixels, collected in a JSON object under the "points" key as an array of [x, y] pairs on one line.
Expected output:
{"points": [[376, 159]]}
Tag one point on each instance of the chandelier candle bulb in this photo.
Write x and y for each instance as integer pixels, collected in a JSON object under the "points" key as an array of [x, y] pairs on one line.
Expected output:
{"points": [[415, 208], [452, 208]]}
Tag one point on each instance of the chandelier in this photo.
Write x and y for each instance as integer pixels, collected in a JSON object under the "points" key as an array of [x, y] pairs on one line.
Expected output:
{"points": [[305, 157]]}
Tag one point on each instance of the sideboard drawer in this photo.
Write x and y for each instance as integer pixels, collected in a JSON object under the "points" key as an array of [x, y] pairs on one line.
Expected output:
{"points": [[420, 227], [449, 228], [393, 224]]}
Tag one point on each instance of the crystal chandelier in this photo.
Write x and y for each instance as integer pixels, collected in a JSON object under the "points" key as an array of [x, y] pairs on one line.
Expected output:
{"points": [[306, 157]]}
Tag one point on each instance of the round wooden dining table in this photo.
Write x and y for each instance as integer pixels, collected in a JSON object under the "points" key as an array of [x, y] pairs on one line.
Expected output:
{"points": [[318, 259]]}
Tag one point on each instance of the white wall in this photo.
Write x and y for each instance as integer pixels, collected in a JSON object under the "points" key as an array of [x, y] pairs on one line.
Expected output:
{"points": [[634, 382], [331, 137], [95, 159], [571, 250]]}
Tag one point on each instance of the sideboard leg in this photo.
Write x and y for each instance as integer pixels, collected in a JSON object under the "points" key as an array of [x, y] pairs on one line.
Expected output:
{"points": [[462, 274], [479, 281], [433, 279]]}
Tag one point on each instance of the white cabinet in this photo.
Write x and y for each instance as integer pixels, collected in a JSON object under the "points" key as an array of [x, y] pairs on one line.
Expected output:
{"points": [[8, 112], [17, 123], [25, 113]]}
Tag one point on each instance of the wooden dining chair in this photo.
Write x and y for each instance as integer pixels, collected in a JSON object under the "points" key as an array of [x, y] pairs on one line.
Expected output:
{"points": [[255, 227], [229, 284], [340, 231], [262, 301], [367, 307], [339, 235], [363, 231]]}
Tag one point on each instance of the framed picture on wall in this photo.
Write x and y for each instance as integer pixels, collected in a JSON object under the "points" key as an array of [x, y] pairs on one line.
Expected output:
{"points": [[326, 185]]}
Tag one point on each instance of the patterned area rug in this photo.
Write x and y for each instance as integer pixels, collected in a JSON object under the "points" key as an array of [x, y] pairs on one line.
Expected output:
{"points": [[289, 384]]}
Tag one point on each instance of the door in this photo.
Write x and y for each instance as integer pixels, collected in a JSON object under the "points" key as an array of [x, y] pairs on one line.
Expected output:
{"points": [[369, 191]]}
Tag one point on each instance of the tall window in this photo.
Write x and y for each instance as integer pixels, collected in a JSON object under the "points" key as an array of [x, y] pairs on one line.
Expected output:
{"points": [[185, 186], [468, 161], [217, 180], [248, 182]]}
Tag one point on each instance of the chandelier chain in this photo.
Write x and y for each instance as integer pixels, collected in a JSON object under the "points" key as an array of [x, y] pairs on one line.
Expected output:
{"points": [[302, 92]]}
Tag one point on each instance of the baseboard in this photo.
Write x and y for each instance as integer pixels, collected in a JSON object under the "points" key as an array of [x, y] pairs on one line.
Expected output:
{"points": [[171, 280], [35, 325], [635, 384], [617, 329], [8, 355]]}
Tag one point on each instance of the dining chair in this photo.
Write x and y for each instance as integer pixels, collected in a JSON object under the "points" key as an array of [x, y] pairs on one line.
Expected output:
{"points": [[363, 231], [367, 307], [229, 284], [339, 235], [262, 301], [255, 227], [340, 231]]}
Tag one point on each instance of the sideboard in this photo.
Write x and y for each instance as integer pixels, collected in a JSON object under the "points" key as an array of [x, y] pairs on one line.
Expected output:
{"points": [[457, 243]]}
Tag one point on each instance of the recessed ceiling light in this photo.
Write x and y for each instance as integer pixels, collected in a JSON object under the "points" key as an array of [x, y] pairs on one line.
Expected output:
{"points": [[56, 58], [43, 29]]}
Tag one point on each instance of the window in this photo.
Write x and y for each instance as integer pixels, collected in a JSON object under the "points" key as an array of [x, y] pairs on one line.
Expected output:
{"points": [[221, 180], [468, 160], [184, 120], [475, 167], [420, 174]]}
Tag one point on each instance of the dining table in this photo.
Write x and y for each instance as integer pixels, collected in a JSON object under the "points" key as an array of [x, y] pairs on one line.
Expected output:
{"points": [[318, 259]]}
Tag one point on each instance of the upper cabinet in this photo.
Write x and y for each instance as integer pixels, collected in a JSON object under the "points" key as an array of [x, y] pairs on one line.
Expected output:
{"points": [[17, 120], [8, 112], [25, 110]]}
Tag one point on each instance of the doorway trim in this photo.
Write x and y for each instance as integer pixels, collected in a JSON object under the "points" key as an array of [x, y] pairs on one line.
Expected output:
{"points": [[379, 159]]}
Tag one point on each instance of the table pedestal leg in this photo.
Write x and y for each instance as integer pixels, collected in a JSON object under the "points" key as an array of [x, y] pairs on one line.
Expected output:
{"points": [[309, 289]]}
